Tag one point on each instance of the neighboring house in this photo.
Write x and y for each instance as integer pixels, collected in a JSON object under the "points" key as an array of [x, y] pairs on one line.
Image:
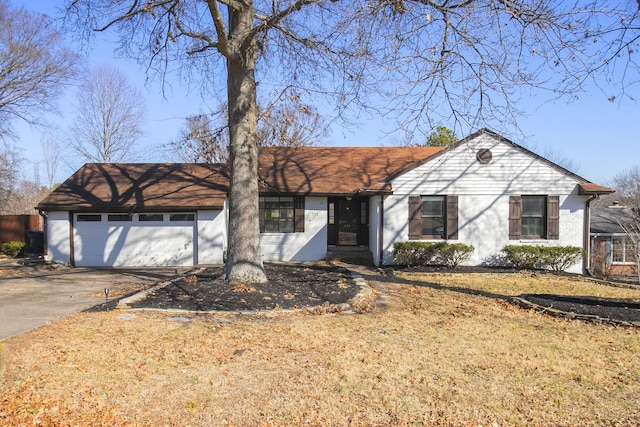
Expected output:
{"points": [[613, 252], [484, 191]]}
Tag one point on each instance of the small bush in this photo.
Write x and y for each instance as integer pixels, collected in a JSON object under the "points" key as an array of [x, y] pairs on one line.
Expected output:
{"points": [[452, 254], [13, 249], [557, 258], [425, 253], [523, 256]]}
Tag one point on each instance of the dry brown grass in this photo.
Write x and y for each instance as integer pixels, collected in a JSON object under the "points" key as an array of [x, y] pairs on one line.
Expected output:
{"points": [[434, 357]]}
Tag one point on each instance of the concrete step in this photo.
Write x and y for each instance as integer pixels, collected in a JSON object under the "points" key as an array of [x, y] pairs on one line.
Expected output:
{"points": [[350, 255]]}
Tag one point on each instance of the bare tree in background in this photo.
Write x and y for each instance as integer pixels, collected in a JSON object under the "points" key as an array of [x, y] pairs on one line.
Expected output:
{"points": [[418, 62], [110, 114], [627, 186], [203, 139], [285, 123], [25, 196], [632, 238], [288, 122], [51, 152], [9, 168], [35, 66]]}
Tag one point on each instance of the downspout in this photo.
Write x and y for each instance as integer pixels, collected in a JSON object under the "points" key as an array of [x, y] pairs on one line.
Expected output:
{"points": [[45, 238], [72, 250], [586, 262], [381, 231]]}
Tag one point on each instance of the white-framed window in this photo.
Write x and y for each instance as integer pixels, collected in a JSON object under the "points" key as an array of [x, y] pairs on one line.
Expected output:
{"points": [[434, 216], [623, 251], [534, 217]]}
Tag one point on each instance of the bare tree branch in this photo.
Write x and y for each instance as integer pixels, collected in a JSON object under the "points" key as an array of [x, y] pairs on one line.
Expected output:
{"points": [[35, 67]]}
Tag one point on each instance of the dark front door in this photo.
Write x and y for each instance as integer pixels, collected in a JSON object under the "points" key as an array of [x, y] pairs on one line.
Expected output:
{"points": [[348, 222]]}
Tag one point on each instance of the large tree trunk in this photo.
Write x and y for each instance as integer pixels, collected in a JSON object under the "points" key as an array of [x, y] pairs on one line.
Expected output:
{"points": [[244, 257]]}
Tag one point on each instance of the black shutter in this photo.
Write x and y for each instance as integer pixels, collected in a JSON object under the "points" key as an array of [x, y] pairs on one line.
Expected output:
{"points": [[553, 212], [515, 217], [298, 204], [415, 217], [452, 217]]}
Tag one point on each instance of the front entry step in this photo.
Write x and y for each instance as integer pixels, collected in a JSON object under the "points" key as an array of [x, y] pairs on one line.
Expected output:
{"points": [[350, 255]]}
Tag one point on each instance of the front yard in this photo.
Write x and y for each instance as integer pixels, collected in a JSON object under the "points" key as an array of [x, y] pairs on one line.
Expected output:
{"points": [[444, 350]]}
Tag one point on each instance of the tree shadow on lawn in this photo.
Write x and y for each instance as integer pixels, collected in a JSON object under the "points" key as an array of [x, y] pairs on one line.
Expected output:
{"points": [[620, 311]]}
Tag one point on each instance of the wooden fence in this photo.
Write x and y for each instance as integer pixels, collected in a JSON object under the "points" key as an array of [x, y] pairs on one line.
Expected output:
{"points": [[13, 228]]}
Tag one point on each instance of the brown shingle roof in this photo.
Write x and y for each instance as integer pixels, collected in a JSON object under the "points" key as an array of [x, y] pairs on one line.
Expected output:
{"points": [[336, 170], [137, 186], [304, 170]]}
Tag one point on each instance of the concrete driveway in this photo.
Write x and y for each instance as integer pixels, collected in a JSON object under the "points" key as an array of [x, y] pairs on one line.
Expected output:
{"points": [[31, 296]]}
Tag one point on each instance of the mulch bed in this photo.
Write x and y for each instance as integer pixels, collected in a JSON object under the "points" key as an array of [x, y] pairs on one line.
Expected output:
{"points": [[289, 287], [607, 310]]}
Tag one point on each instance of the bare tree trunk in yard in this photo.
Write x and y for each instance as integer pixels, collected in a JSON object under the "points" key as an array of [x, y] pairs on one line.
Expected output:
{"points": [[244, 257]]}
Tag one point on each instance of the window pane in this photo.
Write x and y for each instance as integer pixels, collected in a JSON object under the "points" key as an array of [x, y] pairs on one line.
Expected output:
{"points": [[363, 213], [286, 226], [433, 206], [533, 206], [89, 218], [271, 213], [332, 213], [119, 217], [629, 251], [533, 227], [150, 217], [271, 226], [617, 250], [433, 226], [182, 217]]}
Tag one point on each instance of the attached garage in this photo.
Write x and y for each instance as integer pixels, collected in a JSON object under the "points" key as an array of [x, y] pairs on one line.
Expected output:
{"points": [[138, 214], [141, 239]]}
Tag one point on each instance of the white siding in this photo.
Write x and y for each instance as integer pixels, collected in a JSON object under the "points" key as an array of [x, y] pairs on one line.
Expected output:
{"points": [[483, 197], [212, 237], [308, 246], [57, 234]]}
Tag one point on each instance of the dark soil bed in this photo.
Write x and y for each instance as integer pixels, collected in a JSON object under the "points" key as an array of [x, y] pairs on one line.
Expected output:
{"points": [[605, 309], [289, 287]]}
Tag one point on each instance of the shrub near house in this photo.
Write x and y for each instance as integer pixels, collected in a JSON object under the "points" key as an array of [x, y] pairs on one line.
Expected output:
{"points": [[424, 253], [556, 258]]}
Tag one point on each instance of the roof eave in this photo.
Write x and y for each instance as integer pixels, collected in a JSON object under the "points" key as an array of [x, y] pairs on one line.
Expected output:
{"points": [[133, 209], [589, 189]]}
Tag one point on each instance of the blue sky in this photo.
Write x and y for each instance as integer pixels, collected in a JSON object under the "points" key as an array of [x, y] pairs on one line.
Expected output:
{"points": [[599, 137]]}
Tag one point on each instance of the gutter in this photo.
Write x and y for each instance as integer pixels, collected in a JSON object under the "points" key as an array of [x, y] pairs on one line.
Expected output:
{"points": [[586, 267]]}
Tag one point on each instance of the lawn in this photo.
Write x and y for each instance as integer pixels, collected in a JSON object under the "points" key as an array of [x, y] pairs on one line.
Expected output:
{"points": [[444, 350]]}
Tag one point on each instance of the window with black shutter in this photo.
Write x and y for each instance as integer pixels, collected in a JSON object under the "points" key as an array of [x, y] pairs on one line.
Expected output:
{"points": [[534, 217], [433, 217]]}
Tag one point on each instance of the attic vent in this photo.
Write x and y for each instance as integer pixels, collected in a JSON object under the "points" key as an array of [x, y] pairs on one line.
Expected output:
{"points": [[484, 156]]}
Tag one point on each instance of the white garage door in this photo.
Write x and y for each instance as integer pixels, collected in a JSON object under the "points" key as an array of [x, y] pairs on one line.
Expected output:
{"points": [[145, 239]]}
